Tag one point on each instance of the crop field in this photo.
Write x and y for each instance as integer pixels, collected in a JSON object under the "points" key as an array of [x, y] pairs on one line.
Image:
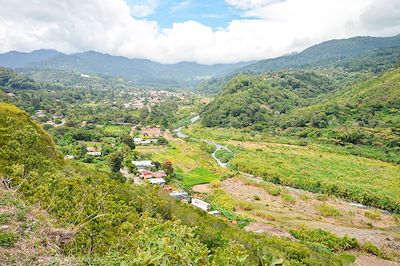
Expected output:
{"points": [[367, 181], [117, 129], [188, 159]]}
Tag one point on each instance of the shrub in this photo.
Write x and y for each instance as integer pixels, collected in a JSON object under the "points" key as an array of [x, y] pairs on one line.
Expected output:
{"points": [[328, 211], [5, 218], [256, 197], [374, 215], [326, 239], [286, 197], [224, 155], [7, 239], [371, 248]]}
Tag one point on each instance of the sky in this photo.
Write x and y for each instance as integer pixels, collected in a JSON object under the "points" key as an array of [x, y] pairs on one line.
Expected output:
{"points": [[207, 32]]}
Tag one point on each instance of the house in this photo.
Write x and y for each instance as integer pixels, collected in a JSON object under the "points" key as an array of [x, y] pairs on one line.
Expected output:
{"points": [[143, 164], [214, 213], [201, 204], [145, 174], [140, 141], [159, 174], [179, 195], [93, 151], [153, 132], [157, 181], [40, 113]]}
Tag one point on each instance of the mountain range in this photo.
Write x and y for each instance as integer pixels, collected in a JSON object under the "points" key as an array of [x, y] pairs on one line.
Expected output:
{"points": [[148, 73], [139, 71]]}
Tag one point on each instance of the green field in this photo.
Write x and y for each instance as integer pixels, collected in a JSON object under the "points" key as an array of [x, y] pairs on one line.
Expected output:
{"points": [[199, 176], [347, 172], [117, 129], [367, 181], [188, 159]]}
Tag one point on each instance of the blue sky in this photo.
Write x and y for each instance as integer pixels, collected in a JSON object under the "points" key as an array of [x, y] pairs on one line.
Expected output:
{"points": [[215, 14], [222, 32]]}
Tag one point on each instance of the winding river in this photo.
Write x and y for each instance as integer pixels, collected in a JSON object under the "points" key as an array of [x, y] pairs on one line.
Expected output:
{"points": [[217, 146]]}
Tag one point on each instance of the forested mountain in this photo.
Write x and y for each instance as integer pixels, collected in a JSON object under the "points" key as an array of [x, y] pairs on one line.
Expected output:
{"points": [[141, 71], [16, 59], [332, 53], [304, 103], [250, 99]]}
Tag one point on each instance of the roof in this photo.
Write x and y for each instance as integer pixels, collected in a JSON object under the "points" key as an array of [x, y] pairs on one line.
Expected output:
{"points": [[159, 174], [156, 180], [142, 163], [91, 149], [152, 131], [199, 201]]}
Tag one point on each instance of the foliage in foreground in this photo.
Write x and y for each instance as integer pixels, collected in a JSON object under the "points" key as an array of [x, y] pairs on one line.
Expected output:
{"points": [[121, 223]]}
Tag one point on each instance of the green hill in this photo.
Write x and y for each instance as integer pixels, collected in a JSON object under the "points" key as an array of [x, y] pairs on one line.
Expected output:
{"points": [[111, 222], [23, 142], [307, 104], [249, 100], [345, 53]]}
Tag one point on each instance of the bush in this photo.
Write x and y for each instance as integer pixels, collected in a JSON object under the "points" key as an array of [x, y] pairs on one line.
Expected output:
{"points": [[374, 215], [328, 211], [372, 249], [286, 197], [224, 155], [326, 239], [7, 239]]}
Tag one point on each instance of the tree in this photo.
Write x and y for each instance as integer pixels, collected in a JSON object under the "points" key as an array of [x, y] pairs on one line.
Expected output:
{"points": [[128, 140], [115, 161], [162, 141], [167, 166]]}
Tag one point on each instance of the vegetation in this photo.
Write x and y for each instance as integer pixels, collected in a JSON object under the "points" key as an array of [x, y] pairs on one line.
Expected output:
{"points": [[137, 216], [348, 53], [325, 239], [224, 155]]}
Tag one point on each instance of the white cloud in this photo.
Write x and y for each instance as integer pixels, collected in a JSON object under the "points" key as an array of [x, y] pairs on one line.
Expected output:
{"points": [[143, 8], [181, 5], [251, 4], [107, 26]]}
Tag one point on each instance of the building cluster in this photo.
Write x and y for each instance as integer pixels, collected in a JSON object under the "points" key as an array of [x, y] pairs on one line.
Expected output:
{"points": [[157, 178], [93, 151], [149, 135]]}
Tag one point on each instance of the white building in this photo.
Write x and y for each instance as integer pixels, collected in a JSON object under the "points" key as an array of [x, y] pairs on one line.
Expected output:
{"points": [[179, 195], [94, 153], [143, 164], [201, 204], [157, 181]]}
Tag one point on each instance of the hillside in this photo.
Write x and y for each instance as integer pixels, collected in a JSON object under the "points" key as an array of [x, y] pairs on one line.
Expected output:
{"points": [[343, 53], [120, 222], [14, 59], [141, 71], [360, 113], [248, 100]]}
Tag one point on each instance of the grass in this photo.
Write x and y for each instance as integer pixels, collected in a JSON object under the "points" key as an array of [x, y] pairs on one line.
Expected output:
{"points": [[374, 215], [188, 159], [224, 155], [7, 239], [326, 239], [199, 176], [367, 181], [328, 211], [117, 129]]}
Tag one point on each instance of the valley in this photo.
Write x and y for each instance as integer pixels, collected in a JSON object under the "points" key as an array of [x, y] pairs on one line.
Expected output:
{"points": [[294, 163]]}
